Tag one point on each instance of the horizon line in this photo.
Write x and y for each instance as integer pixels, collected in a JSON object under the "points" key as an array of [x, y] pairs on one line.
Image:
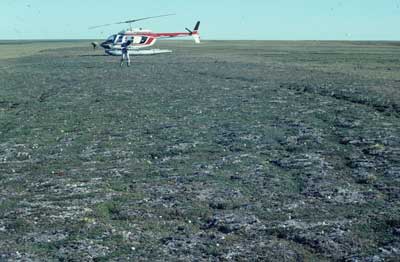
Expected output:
{"points": [[289, 40]]}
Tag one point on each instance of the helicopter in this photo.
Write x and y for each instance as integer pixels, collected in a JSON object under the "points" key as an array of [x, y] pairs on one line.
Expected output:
{"points": [[142, 38]]}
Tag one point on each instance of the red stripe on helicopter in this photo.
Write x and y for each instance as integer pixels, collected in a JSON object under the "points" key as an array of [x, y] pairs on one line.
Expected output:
{"points": [[160, 34]]}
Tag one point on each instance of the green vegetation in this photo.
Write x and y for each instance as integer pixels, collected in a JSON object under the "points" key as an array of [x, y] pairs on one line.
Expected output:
{"points": [[280, 151]]}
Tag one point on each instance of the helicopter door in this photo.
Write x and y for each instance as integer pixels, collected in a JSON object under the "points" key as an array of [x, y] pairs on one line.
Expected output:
{"points": [[136, 40], [143, 39], [119, 39]]}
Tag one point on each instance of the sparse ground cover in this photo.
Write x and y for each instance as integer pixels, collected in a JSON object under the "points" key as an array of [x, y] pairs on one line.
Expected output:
{"points": [[279, 151], [16, 49]]}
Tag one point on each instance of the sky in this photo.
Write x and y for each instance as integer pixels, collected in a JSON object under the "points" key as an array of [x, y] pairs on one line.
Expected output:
{"points": [[221, 19]]}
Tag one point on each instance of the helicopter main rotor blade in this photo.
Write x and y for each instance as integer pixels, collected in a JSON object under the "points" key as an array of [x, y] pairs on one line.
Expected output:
{"points": [[130, 21], [145, 18], [98, 26]]}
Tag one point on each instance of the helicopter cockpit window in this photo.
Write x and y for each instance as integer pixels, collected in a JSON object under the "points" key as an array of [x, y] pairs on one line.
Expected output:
{"points": [[111, 38]]}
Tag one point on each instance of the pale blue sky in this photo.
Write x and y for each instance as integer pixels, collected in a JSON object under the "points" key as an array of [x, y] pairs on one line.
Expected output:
{"points": [[221, 19]]}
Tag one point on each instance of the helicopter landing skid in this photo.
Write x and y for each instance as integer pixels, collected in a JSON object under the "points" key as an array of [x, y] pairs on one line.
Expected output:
{"points": [[118, 52]]}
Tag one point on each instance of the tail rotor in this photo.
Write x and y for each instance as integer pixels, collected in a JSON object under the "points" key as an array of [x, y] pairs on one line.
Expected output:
{"points": [[195, 32]]}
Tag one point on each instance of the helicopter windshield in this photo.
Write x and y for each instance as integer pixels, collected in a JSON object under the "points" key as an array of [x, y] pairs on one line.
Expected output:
{"points": [[111, 38]]}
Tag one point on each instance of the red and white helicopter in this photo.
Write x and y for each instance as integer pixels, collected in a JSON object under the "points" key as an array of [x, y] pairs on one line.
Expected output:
{"points": [[142, 38]]}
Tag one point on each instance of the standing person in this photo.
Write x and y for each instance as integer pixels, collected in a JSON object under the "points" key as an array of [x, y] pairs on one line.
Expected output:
{"points": [[125, 53]]}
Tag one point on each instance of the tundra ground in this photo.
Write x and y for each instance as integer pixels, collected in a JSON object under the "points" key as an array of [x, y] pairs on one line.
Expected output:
{"points": [[275, 151]]}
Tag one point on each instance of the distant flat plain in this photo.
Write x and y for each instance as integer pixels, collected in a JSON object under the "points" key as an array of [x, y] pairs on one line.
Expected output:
{"points": [[16, 48], [223, 151]]}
